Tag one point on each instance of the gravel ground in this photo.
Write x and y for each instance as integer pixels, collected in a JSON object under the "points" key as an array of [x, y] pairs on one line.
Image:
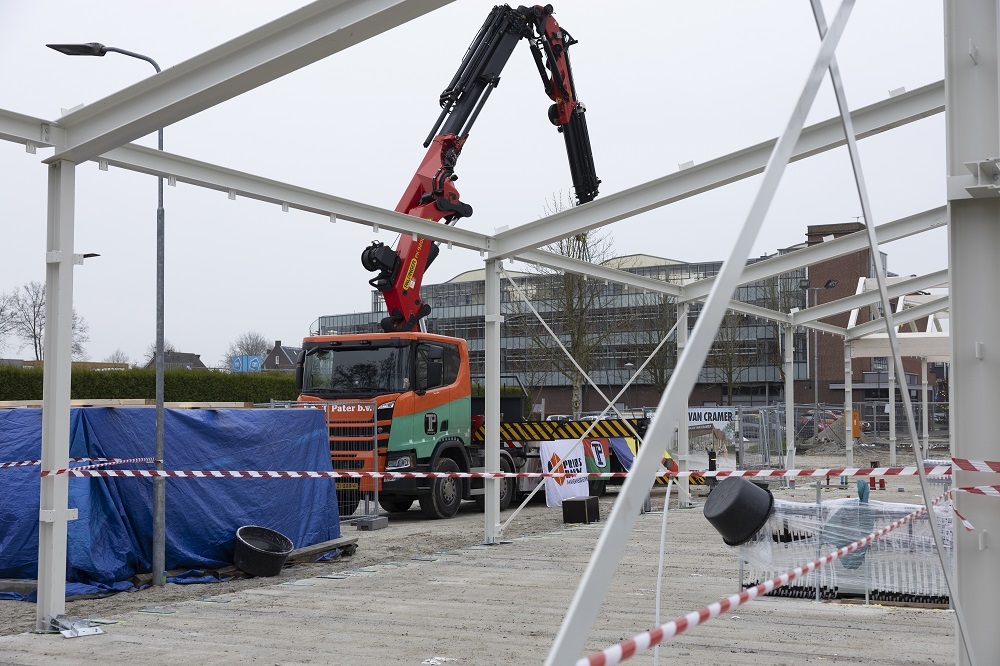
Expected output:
{"points": [[410, 535]]}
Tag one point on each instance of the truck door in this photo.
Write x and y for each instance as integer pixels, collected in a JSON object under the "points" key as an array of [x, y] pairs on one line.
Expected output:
{"points": [[441, 406]]}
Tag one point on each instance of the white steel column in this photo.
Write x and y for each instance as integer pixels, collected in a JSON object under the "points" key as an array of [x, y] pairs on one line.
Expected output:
{"points": [[973, 134], [54, 512], [683, 438], [848, 404], [492, 415], [789, 333], [892, 412], [924, 402], [672, 408]]}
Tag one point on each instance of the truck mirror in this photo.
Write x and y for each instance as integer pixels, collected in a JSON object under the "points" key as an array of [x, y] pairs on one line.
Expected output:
{"points": [[299, 363]]}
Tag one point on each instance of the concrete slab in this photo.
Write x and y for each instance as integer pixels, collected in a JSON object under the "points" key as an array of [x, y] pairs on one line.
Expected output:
{"points": [[504, 604]]}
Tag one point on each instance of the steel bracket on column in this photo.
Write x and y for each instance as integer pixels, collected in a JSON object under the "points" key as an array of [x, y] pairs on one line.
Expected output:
{"points": [[986, 175]]}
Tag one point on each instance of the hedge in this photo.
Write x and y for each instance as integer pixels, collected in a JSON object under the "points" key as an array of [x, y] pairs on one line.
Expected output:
{"points": [[140, 383]]}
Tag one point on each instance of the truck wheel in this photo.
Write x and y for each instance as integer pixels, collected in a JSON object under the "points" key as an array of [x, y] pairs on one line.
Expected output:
{"points": [[508, 486], [598, 487], [395, 505], [446, 493]]}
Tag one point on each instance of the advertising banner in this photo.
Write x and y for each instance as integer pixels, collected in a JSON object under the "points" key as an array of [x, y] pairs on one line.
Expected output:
{"points": [[718, 417], [564, 455]]}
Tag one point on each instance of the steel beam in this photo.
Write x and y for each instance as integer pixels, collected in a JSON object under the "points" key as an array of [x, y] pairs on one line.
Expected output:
{"points": [[809, 316], [935, 346], [874, 119], [264, 54], [237, 183], [902, 317], [30, 131], [831, 249], [598, 272]]}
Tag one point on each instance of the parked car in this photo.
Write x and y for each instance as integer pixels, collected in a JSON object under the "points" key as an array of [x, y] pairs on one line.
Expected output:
{"points": [[824, 419]]}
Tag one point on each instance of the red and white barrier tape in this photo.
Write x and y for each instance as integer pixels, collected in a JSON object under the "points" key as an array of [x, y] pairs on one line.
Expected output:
{"points": [[939, 470], [626, 649], [969, 527], [27, 463], [839, 471], [272, 474], [976, 465], [993, 491], [56, 472]]}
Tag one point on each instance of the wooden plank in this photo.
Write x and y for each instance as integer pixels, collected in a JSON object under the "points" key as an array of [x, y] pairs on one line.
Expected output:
{"points": [[128, 402], [98, 402], [310, 553]]}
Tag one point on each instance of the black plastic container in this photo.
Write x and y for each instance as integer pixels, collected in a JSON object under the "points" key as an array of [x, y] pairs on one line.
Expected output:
{"points": [[261, 551], [738, 509]]}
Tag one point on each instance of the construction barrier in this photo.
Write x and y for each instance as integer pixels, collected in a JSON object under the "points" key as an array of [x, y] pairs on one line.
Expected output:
{"points": [[627, 649]]}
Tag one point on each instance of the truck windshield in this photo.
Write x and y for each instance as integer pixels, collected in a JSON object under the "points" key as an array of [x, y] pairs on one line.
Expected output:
{"points": [[363, 371]]}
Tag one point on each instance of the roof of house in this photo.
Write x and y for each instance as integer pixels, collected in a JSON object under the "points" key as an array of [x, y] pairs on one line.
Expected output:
{"points": [[173, 359], [285, 352]]}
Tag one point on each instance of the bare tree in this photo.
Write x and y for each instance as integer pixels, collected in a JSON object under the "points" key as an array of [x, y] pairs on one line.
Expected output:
{"points": [[780, 293], [81, 334], [731, 356], [250, 343], [118, 356], [655, 315], [6, 316], [27, 321], [571, 302]]}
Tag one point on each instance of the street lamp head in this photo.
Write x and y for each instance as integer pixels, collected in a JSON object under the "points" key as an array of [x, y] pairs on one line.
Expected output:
{"points": [[88, 49], [804, 283], [831, 283]]}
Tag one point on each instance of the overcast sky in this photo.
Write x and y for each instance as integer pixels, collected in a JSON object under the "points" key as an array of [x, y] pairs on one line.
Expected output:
{"points": [[664, 83]]}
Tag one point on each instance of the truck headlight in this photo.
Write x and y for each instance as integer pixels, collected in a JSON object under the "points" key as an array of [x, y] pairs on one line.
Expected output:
{"points": [[399, 461]]}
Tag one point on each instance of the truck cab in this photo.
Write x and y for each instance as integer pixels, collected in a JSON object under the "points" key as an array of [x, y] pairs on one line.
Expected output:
{"points": [[395, 402]]}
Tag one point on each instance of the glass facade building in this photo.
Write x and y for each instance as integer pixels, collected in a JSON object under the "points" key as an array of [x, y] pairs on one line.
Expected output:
{"points": [[616, 327]]}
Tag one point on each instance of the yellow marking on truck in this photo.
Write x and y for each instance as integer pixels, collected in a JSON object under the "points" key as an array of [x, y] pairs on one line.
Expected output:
{"points": [[412, 268]]}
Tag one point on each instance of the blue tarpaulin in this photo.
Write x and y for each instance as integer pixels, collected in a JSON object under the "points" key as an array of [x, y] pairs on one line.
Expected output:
{"points": [[111, 540], [624, 453]]}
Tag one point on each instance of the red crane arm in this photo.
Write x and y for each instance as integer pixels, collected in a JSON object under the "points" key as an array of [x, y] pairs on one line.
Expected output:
{"points": [[431, 194]]}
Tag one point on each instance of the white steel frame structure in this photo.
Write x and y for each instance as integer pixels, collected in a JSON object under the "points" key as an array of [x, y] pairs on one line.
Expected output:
{"points": [[101, 132]]}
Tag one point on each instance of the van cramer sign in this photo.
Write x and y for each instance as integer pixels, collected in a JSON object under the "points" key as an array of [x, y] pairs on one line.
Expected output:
{"points": [[718, 417]]}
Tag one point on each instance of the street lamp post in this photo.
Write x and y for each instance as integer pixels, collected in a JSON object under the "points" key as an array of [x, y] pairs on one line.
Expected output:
{"points": [[159, 483], [804, 284]]}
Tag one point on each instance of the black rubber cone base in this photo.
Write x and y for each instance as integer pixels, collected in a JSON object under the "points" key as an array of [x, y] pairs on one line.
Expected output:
{"points": [[737, 509]]}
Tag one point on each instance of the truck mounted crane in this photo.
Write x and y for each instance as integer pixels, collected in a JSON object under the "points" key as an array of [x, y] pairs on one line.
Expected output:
{"points": [[410, 390], [432, 194]]}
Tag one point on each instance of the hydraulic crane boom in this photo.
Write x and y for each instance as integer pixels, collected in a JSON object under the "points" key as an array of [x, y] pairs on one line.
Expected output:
{"points": [[431, 194]]}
